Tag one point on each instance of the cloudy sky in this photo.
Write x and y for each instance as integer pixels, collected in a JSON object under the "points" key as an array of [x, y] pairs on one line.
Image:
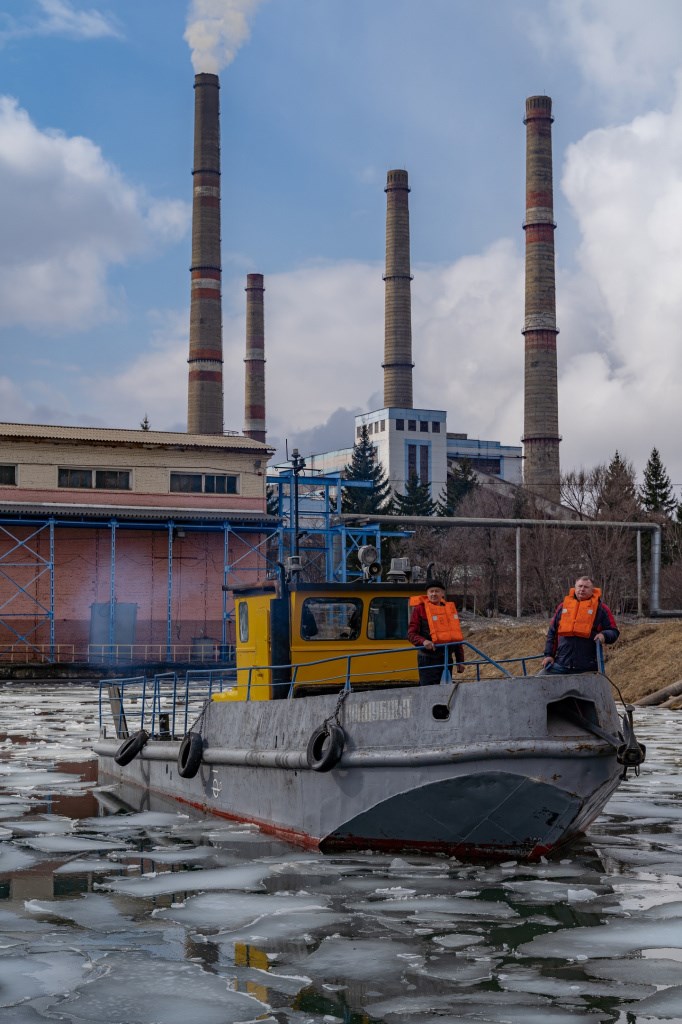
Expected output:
{"points": [[319, 99]]}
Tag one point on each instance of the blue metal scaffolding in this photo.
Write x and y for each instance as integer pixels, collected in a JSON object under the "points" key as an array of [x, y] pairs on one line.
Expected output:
{"points": [[306, 518]]}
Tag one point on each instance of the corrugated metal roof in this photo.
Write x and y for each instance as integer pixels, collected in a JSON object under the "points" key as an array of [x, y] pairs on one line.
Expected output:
{"points": [[138, 513], [45, 432]]}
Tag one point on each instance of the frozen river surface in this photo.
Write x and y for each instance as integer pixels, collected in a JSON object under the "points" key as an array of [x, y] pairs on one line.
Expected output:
{"points": [[157, 916]]}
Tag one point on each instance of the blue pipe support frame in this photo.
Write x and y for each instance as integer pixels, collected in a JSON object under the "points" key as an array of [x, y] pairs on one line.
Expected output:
{"points": [[336, 543], [42, 565], [50, 613], [169, 590], [112, 585]]}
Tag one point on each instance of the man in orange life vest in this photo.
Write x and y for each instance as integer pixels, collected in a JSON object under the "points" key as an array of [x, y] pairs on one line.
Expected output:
{"points": [[434, 621], [580, 623]]}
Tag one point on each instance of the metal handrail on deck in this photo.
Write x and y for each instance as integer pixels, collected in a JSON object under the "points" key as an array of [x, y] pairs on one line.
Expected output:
{"points": [[199, 685]]}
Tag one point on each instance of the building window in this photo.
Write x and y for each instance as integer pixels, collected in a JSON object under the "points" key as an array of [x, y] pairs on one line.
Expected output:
{"points": [[383, 426], [101, 479], [358, 432], [203, 483], [74, 477], [400, 424], [423, 464], [424, 426], [411, 461], [8, 476], [370, 428], [221, 484], [112, 479], [435, 427], [411, 424], [418, 462]]}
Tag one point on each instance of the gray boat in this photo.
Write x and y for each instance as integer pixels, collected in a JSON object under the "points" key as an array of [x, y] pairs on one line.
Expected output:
{"points": [[322, 736]]}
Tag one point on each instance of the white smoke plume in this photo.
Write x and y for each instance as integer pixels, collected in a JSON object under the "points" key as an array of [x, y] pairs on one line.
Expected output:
{"points": [[215, 31]]}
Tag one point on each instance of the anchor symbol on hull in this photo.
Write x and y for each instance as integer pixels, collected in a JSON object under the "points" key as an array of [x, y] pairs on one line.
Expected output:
{"points": [[216, 785]]}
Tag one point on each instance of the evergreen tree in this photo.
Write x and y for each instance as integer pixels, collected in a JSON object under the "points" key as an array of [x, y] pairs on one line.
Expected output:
{"points": [[272, 499], [618, 499], [145, 424], [462, 480], [656, 492], [364, 466], [416, 501]]}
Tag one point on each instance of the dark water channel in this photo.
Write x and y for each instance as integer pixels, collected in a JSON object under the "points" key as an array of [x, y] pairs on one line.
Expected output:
{"points": [[120, 916]]}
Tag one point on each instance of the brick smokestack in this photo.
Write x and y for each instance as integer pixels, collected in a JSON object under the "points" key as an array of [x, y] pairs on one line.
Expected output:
{"points": [[205, 389], [398, 303], [541, 406], [254, 377]]}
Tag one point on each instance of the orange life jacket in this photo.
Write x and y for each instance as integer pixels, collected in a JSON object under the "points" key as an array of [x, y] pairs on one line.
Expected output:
{"points": [[578, 617], [444, 625]]}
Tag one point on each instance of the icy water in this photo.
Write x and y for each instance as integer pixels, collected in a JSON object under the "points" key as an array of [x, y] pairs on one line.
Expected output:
{"points": [[115, 916]]}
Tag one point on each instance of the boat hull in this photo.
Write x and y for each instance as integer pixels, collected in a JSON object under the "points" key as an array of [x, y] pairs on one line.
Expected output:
{"points": [[486, 769]]}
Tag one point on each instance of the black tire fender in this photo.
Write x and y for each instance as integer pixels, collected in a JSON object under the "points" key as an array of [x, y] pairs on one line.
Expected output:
{"points": [[190, 755], [131, 747], [325, 748]]}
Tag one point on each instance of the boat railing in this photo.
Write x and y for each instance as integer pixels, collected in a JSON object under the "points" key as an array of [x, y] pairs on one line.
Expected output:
{"points": [[165, 704], [162, 704], [344, 676]]}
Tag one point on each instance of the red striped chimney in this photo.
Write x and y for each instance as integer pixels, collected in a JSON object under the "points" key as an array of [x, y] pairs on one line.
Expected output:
{"points": [[254, 375], [205, 388], [398, 301], [541, 416]]}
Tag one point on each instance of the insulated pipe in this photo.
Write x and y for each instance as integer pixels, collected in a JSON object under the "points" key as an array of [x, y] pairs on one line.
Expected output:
{"points": [[434, 522]]}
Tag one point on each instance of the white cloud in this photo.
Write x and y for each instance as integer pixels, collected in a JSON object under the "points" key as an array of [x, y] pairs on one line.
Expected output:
{"points": [[627, 50], [68, 216], [215, 31], [60, 18], [625, 187]]}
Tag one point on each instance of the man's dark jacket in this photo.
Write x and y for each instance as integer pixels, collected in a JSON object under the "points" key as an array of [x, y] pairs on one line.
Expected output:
{"points": [[579, 653]]}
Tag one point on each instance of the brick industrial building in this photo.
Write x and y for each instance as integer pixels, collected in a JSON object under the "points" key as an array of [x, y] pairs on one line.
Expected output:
{"points": [[116, 544]]}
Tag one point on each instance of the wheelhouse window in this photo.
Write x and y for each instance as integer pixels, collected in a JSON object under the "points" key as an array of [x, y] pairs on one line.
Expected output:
{"points": [[100, 479], [327, 618], [203, 483], [388, 618], [243, 622], [8, 476]]}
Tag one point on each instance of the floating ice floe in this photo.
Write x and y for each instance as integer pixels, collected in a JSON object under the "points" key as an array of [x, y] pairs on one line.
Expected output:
{"points": [[41, 824], [23, 977], [71, 844], [138, 990], [132, 822], [89, 911], [357, 959], [91, 866], [14, 859], [247, 877], [611, 939], [228, 911]]}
